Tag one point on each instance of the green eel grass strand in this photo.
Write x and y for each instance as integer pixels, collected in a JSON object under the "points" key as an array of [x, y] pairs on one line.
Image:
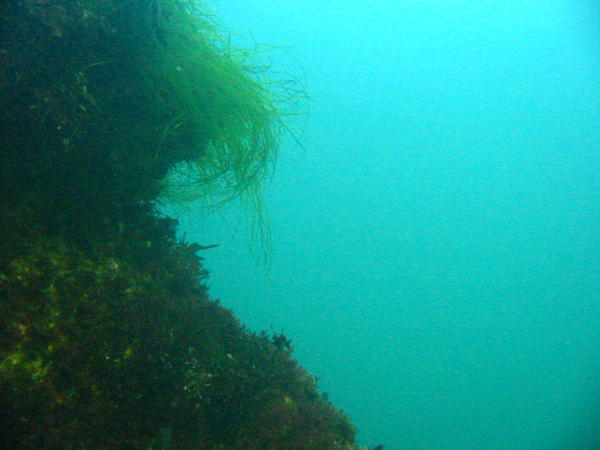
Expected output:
{"points": [[233, 112]]}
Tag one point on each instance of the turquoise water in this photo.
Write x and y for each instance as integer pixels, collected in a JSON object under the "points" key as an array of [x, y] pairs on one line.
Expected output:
{"points": [[436, 243]]}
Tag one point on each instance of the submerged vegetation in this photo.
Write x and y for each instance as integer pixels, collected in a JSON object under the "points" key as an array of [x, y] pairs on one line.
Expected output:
{"points": [[153, 92], [108, 338], [107, 349]]}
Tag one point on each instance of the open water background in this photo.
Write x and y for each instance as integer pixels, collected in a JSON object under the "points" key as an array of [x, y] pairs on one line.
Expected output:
{"points": [[436, 246]]}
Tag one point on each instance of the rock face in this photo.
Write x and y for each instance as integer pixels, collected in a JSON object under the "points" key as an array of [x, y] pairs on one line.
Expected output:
{"points": [[108, 338]]}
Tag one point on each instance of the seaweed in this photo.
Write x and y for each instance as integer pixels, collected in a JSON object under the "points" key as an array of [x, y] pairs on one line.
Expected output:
{"points": [[138, 99], [108, 337]]}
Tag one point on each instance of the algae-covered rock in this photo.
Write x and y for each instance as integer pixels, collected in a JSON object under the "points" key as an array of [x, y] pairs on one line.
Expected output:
{"points": [[108, 338], [115, 94], [105, 349]]}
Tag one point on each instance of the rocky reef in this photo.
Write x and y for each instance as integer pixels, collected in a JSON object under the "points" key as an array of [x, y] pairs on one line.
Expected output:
{"points": [[108, 338]]}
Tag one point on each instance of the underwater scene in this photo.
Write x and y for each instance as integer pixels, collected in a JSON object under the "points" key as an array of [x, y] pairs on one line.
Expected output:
{"points": [[316, 225], [436, 239]]}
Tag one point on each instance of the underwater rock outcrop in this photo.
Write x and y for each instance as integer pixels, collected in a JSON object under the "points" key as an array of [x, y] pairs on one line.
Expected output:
{"points": [[108, 338]]}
